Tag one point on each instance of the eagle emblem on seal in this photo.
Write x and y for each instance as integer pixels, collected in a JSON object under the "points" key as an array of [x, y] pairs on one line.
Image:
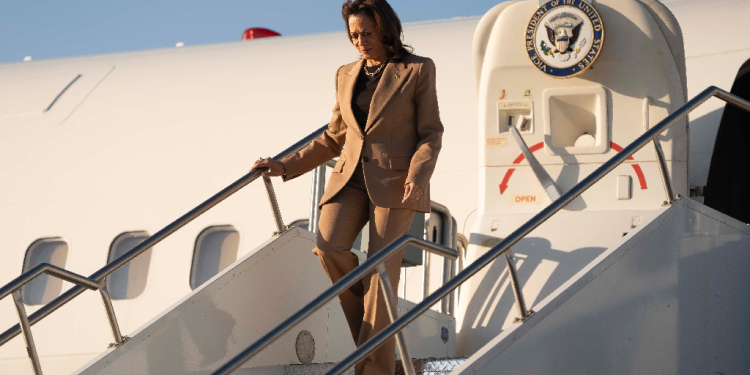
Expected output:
{"points": [[563, 31], [564, 37]]}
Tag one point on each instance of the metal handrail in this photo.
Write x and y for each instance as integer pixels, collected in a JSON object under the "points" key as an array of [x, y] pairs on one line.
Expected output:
{"points": [[148, 243], [280, 227], [449, 240], [49, 269], [316, 193], [14, 288], [462, 245], [538, 219], [337, 288]]}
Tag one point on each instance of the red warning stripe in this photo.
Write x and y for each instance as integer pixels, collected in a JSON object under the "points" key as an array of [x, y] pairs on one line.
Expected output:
{"points": [[641, 177], [538, 146]]}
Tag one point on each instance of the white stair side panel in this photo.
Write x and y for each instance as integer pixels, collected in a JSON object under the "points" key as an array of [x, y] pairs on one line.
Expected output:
{"points": [[671, 298], [431, 335], [232, 310], [240, 304]]}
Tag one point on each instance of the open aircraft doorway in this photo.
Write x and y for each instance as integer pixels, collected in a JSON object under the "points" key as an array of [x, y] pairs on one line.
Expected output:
{"points": [[729, 174]]}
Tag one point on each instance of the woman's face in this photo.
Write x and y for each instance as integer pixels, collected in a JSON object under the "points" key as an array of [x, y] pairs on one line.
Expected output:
{"points": [[366, 38]]}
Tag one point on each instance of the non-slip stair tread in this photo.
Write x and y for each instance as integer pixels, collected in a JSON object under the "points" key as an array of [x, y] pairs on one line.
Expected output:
{"points": [[433, 366], [423, 366]]}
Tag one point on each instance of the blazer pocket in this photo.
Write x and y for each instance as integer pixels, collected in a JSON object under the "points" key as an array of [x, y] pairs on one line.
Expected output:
{"points": [[400, 163], [339, 166]]}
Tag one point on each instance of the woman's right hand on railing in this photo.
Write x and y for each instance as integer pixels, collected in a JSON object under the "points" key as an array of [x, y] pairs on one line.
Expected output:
{"points": [[275, 168]]}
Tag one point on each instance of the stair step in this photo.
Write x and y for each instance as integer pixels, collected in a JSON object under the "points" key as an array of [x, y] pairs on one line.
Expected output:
{"points": [[423, 366], [433, 366]]}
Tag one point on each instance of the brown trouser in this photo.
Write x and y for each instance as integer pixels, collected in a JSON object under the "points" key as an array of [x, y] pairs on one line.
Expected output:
{"points": [[341, 220]]}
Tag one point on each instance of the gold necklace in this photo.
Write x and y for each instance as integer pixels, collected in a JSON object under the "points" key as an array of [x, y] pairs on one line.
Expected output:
{"points": [[373, 74]]}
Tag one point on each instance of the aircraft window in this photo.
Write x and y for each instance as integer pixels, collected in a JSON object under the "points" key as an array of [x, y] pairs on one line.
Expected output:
{"points": [[44, 288], [412, 254], [129, 281], [215, 248]]}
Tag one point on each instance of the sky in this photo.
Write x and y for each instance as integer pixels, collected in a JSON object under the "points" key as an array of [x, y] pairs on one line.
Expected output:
{"points": [[46, 29]]}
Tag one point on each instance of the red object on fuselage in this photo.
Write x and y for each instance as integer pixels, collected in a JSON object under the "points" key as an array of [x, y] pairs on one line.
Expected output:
{"points": [[257, 33]]}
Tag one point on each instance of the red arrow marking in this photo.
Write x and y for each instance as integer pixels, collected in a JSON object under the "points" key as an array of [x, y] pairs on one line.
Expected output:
{"points": [[504, 185], [641, 177], [538, 146], [533, 148], [519, 159]]}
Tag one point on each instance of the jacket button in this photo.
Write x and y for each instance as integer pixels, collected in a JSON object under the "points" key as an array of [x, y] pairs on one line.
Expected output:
{"points": [[365, 159], [361, 137]]}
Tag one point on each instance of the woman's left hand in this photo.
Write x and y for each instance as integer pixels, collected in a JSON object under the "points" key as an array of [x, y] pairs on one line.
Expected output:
{"points": [[412, 192]]}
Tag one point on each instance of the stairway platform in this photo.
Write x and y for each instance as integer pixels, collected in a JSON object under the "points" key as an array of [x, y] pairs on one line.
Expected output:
{"points": [[670, 298]]}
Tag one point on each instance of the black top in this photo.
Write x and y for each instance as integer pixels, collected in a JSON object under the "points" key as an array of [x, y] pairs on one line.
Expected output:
{"points": [[363, 92]]}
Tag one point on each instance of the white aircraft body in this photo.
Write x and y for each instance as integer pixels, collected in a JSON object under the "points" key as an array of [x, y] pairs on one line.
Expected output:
{"points": [[99, 152]]}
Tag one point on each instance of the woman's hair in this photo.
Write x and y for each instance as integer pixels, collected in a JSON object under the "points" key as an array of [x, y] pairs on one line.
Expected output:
{"points": [[386, 20]]}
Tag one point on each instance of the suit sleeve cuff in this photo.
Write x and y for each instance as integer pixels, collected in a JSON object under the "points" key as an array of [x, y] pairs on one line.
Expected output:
{"points": [[408, 181]]}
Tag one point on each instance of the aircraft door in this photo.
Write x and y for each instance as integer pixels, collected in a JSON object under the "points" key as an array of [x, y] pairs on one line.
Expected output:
{"points": [[729, 174], [579, 81]]}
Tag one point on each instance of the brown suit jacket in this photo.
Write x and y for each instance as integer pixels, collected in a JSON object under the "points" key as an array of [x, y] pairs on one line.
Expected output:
{"points": [[401, 141]]}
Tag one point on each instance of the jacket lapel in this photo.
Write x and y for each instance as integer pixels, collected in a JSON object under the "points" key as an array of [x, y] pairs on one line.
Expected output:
{"points": [[393, 77], [345, 105]]}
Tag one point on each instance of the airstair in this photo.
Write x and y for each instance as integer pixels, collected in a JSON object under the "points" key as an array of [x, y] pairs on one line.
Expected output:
{"points": [[238, 305]]}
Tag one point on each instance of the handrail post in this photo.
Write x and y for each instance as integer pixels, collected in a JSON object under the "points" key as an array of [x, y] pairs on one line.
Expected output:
{"points": [[523, 314], [661, 162], [280, 227], [445, 304], [462, 244], [391, 306], [26, 331], [665, 179], [426, 274], [107, 301], [316, 193], [448, 240], [454, 265]]}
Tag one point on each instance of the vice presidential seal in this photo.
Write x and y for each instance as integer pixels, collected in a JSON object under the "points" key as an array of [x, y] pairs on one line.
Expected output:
{"points": [[564, 37]]}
